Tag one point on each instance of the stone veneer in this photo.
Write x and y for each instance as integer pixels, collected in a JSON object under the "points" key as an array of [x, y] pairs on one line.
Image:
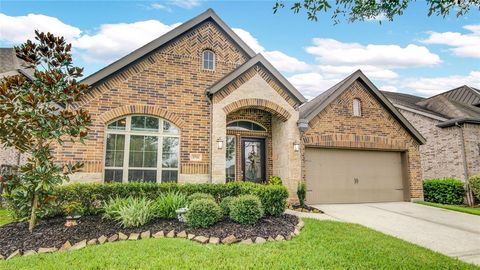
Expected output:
{"points": [[376, 129]]}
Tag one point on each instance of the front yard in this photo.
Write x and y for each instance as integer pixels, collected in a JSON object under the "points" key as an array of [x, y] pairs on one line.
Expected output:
{"points": [[458, 208], [322, 244]]}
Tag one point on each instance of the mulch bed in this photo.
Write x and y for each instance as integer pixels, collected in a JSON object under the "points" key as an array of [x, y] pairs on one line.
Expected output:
{"points": [[305, 208], [53, 233]]}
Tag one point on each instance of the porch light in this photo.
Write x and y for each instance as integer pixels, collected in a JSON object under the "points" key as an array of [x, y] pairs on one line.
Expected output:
{"points": [[219, 143], [296, 146]]}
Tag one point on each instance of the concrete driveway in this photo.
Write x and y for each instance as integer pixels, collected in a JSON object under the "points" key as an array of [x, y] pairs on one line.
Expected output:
{"points": [[451, 233]]}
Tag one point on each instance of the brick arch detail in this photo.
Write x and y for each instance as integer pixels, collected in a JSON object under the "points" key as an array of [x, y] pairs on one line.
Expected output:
{"points": [[263, 104], [142, 109]]}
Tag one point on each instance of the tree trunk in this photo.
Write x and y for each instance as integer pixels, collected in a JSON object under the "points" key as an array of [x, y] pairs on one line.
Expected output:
{"points": [[33, 215], [469, 194]]}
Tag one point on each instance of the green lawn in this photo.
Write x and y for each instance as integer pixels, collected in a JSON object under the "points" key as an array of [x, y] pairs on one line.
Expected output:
{"points": [[4, 217], [321, 245], [458, 208]]}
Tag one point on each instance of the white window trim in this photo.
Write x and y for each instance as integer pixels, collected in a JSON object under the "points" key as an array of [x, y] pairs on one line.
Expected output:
{"points": [[214, 60], [247, 120], [160, 134], [357, 102]]}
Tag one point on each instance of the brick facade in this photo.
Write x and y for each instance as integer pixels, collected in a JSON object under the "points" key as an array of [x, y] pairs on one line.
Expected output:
{"points": [[376, 129]]}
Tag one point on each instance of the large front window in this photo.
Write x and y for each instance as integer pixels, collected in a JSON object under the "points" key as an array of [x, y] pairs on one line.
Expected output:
{"points": [[142, 148]]}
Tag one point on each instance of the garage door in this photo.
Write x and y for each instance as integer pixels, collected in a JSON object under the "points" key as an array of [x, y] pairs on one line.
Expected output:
{"points": [[351, 176]]}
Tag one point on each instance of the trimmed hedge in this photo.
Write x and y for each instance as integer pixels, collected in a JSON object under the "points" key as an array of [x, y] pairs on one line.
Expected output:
{"points": [[92, 196], [444, 191], [246, 209], [203, 213], [475, 185]]}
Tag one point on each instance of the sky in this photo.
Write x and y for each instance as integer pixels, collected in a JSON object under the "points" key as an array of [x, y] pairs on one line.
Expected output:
{"points": [[414, 54]]}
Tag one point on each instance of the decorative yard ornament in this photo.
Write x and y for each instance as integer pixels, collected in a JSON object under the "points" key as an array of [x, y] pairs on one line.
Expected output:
{"points": [[36, 114]]}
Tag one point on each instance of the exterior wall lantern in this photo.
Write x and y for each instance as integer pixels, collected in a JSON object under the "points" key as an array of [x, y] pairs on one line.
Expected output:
{"points": [[219, 143], [296, 147]]}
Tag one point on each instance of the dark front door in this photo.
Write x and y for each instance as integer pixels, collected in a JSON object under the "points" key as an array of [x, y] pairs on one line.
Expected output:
{"points": [[253, 159]]}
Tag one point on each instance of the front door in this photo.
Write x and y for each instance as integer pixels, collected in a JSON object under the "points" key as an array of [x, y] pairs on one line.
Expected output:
{"points": [[253, 159]]}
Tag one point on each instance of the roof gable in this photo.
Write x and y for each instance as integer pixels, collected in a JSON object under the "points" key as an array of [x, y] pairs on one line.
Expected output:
{"points": [[257, 59], [463, 94], [164, 39], [311, 109]]}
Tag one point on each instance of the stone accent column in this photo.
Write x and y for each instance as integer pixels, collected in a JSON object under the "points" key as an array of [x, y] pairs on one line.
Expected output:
{"points": [[219, 130]]}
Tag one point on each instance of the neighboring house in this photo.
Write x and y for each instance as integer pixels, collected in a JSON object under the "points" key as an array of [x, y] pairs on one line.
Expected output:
{"points": [[450, 122], [10, 65], [197, 105]]}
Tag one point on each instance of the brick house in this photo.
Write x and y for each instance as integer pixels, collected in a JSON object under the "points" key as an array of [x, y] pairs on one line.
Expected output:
{"points": [[197, 105], [450, 122]]}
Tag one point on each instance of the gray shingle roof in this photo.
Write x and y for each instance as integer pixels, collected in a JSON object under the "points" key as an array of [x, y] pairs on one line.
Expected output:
{"points": [[410, 101]]}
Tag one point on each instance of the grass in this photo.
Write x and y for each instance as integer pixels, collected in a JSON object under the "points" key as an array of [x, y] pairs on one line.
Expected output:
{"points": [[459, 208], [5, 217], [321, 245]]}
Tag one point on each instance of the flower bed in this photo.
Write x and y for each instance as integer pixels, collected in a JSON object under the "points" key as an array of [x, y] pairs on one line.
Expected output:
{"points": [[51, 235]]}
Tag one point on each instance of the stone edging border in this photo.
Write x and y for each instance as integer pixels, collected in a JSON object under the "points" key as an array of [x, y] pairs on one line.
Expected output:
{"points": [[231, 239]]}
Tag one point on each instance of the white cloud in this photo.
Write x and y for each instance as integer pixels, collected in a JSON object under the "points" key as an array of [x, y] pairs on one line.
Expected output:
{"points": [[188, 4], [435, 85], [312, 84], [160, 7], [333, 52], [465, 45], [389, 88], [17, 29], [115, 40], [373, 72], [280, 60]]}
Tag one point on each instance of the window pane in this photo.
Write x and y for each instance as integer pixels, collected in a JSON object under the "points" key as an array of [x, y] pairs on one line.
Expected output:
{"points": [[118, 125], [113, 176], [169, 161], [245, 125], [142, 175], [169, 176], [115, 150], [143, 151], [170, 152], [144, 123], [169, 128], [230, 158]]}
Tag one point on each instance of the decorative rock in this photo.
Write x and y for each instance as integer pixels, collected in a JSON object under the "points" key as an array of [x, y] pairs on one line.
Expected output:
{"points": [[288, 238], [47, 250], [171, 234], [201, 239], [296, 231], [247, 241], [92, 242], [113, 238], [159, 234], [190, 236], [279, 238], [102, 239], [260, 240], [182, 234], [122, 236], [28, 253], [79, 245], [16, 253], [270, 239], [300, 224], [66, 246], [214, 240], [134, 236], [1, 257], [229, 239], [145, 235]]}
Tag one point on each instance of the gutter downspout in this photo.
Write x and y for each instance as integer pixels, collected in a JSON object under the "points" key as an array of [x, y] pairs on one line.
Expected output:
{"points": [[468, 190]]}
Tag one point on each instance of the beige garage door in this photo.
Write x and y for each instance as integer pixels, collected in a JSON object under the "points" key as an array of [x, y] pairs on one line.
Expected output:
{"points": [[351, 176]]}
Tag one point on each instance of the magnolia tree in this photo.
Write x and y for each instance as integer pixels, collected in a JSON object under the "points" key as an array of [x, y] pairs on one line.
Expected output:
{"points": [[35, 115]]}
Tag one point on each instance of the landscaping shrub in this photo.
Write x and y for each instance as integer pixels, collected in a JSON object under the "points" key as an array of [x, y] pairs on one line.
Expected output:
{"points": [[225, 205], [200, 196], [131, 212], [203, 213], [444, 191], [475, 185], [92, 196], [302, 192], [167, 203], [246, 209], [275, 180]]}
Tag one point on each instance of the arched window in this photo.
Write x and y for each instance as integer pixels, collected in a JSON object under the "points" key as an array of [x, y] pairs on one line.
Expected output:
{"points": [[357, 107], [245, 125], [142, 148], [208, 60]]}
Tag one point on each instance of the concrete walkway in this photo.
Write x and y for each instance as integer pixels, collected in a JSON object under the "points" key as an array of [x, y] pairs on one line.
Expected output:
{"points": [[451, 233]]}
